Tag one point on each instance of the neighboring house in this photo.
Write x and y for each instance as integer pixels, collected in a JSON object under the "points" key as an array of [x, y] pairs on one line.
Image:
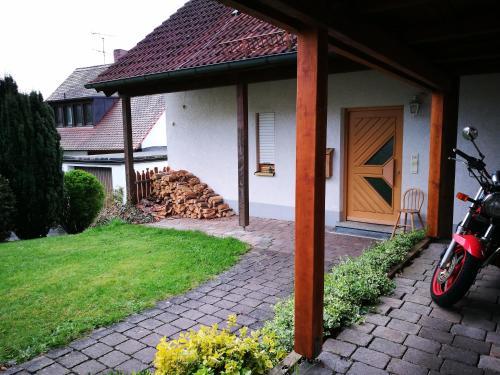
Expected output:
{"points": [[380, 147], [90, 126]]}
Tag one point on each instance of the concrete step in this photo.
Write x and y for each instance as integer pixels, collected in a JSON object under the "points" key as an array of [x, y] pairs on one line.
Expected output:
{"points": [[355, 228]]}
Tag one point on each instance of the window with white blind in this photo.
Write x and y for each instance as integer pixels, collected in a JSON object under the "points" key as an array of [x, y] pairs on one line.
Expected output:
{"points": [[265, 143]]}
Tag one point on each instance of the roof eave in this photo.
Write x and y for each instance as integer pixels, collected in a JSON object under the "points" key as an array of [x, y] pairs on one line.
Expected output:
{"points": [[112, 86]]}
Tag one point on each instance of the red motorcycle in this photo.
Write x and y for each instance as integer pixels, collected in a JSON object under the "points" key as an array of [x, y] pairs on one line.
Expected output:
{"points": [[476, 242]]}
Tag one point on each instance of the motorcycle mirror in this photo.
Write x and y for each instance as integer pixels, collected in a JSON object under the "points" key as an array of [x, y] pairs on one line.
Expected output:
{"points": [[469, 133]]}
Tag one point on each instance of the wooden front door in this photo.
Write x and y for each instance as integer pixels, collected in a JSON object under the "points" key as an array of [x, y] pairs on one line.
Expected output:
{"points": [[374, 149]]}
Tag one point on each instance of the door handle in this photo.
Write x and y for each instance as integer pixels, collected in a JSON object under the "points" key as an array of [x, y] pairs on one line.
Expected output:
{"points": [[388, 172]]}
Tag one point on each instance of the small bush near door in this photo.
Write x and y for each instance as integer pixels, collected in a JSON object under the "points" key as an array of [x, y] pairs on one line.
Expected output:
{"points": [[83, 199], [7, 209]]}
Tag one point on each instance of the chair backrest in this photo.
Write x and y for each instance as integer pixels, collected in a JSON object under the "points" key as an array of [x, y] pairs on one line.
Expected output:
{"points": [[413, 199]]}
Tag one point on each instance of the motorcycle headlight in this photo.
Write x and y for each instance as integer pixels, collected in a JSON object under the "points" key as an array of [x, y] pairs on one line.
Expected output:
{"points": [[491, 205]]}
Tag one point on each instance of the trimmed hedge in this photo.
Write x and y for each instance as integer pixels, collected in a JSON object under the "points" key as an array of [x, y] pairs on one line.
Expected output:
{"points": [[351, 288], [7, 208]]}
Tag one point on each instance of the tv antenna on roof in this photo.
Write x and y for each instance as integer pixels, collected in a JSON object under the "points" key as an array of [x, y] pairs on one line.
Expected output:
{"points": [[103, 50]]}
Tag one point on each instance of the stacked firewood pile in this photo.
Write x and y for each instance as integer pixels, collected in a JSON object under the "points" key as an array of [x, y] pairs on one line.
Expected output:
{"points": [[180, 193]]}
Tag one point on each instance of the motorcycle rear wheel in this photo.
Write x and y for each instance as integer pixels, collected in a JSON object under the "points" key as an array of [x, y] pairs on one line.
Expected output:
{"points": [[460, 280]]}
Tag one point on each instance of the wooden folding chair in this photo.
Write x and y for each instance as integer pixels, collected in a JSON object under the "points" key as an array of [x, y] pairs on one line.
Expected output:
{"points": [[413, 199]]}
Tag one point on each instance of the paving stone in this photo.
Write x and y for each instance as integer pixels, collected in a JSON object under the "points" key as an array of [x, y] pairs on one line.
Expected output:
{"points": [[130, 346], [359, 368], [450, 316], [460, 355], [493, 338], [405, 315], [439, 336], [415, 298], [355, 337], [177, 309], [225, 304], [371, 357], [232, 297], [420, 358], [193, 314], [416, 308], [390, 334], [152, 339], [183, 323], [15, 370], [152, 323], [477, 322], [150, 313], [393, 302], [364, 327], [209, 299], [388, 347], [122, 327], [334, 362], [207, 309], [131, 366], [97, 350], [83, 343], [261, 314], [136, 318], [245, 320], [474, 345], [166, 330], [450, 367], [423, 344], [114, 358], [307, 368], [495, 351], [114, 339], [59, 352], [209, 320], [473, 333], [53, 369], [341, 348], [377, 319], [223, 314], [88, 367], [72, 359], [145, 355], [435, 323], [37, 364], [398, 366], [488, 362], [137, 332], [252, 302], [403, 326]]}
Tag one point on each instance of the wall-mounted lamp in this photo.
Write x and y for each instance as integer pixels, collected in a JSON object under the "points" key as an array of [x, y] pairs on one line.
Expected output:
{"points": [[415, 104]]}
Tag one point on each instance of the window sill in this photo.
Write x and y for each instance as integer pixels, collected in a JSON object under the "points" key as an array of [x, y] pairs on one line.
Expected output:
{"points": [[264, 174]]}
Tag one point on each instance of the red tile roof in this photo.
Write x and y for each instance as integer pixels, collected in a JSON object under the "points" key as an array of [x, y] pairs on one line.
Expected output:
{"points": [[202, 32], [108, 133]]}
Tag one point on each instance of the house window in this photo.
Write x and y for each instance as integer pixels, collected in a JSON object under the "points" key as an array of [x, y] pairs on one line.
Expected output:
{"points": [[87, 113], [58, 111], [265, 144], [78, 109], [68, 115]]}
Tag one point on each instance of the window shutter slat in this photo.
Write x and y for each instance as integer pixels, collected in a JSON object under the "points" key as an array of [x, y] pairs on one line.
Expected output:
{"points": [[266, 138]]}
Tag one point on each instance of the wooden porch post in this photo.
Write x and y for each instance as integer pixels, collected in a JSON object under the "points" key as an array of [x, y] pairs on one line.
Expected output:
{"points": [[128, 149], [443, 138], [312, 76], [242, 118]]}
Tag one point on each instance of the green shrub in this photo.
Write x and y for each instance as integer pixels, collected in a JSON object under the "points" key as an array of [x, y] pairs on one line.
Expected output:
{"points": [[209, 351], [7, 208], [83, 199], [351, 288]]}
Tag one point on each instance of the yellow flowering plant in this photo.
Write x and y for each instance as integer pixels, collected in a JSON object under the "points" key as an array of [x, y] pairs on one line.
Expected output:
{"points": [[210, 351]]}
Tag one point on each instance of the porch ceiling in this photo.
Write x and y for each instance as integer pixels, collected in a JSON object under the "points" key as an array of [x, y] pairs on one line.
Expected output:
{"points": [[423, 41]]}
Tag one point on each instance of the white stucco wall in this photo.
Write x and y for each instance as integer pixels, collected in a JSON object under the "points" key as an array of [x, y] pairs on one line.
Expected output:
{"points": [[158, 134], [201, 129], [479, 106]]}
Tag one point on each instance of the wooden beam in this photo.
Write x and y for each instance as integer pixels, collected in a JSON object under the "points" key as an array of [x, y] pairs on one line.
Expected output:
{"points": [[443, 138], [312, 80], [242, 118], [128, 149]]}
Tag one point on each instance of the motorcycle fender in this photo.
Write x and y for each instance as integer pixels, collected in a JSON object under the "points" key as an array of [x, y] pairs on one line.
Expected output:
{"points": [[470, 243]]}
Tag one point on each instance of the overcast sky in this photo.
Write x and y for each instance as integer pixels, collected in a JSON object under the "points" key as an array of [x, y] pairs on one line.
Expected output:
{"points": [[42, 42]]}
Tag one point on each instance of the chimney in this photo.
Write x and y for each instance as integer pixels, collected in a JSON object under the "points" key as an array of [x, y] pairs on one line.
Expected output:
{"points": [[119, 53]]}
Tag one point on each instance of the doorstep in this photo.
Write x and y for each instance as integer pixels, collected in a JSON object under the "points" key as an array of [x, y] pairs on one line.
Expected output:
{"points": [[358, 229]]}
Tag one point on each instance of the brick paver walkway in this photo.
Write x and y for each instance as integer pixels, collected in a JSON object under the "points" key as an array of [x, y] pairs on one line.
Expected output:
{"points": [[410, 335], [248, 289]]}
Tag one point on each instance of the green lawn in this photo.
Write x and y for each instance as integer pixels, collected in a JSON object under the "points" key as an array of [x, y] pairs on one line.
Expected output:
{"points": [[55, 289]]}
